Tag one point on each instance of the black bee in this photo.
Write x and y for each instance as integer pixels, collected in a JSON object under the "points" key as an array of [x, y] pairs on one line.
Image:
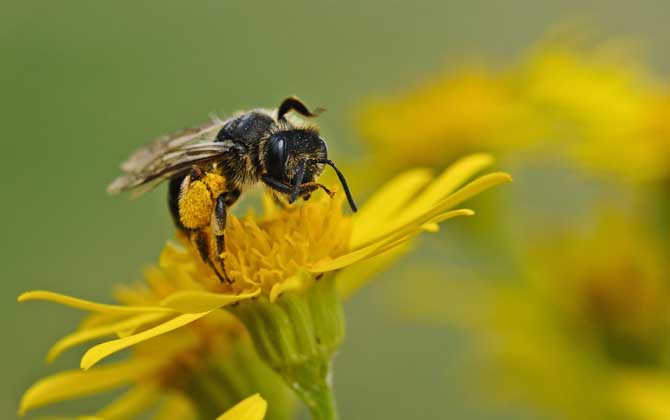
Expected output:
{"points": [[209, 166]]}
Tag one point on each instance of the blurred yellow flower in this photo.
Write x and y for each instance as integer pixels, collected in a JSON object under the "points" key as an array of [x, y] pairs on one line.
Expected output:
{"points": [[284, 285], [586, 334], [592, 104], [601, 106], [468, 110]]}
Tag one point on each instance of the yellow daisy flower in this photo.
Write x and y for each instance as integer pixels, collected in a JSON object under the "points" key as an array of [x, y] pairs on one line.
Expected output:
{"points": [[594, 105], [289, 271], [203, 368]]}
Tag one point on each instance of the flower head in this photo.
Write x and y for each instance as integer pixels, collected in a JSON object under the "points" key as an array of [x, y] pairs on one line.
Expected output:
{"points": [[285, 251], [288, 272], [594, 105]]}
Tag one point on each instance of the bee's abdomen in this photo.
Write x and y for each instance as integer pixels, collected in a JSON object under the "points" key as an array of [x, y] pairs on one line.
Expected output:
{"points": [[174, 189]]}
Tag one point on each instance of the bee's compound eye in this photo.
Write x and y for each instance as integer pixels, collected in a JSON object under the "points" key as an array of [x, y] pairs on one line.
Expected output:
{"points": [[322, 149], [276, 158]]}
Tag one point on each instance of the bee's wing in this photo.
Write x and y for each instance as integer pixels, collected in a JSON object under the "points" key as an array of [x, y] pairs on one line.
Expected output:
{"points": [[169, 156], [154, 150]]}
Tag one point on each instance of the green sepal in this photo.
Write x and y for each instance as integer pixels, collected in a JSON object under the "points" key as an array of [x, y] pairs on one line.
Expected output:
{"points": [[297, 335], [226, 378]]}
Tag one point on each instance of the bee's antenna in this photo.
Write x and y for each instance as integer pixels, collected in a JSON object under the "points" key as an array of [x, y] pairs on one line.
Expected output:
{"points": [[343, 181], [292, 103]]}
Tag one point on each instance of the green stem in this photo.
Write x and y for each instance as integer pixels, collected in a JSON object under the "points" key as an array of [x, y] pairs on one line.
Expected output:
{"points": [[320, 399]]}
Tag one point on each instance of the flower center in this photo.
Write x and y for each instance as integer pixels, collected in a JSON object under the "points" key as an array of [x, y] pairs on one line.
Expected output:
{"points": [[270, 252]]}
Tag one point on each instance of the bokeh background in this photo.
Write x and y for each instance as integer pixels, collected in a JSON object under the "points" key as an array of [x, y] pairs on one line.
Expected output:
{"points": [[84, 83]]}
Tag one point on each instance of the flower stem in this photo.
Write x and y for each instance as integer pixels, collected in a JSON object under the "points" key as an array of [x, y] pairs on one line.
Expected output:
{"points": [[320, 399]]}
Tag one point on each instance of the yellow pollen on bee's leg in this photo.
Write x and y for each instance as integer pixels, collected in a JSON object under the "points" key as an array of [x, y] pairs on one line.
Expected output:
{"points": [[215, 182], [196, 206]]}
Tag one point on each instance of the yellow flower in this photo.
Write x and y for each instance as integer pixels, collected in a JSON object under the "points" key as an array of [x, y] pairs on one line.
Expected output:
{"points": [[203, 368], [585, 333], [595, 105], [287, 251], [601, 106], [462, 111], [283, 269]]}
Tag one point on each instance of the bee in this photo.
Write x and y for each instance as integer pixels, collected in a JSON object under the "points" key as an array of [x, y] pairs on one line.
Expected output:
{"points": [[209, 166]]}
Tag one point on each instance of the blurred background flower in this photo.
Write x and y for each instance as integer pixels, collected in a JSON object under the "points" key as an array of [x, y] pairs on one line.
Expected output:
{"points": [[594, 103], [572, 315], [582, 332]]}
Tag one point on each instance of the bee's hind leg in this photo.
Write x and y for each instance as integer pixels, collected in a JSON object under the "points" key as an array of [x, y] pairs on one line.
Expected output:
{"points": [[218, 225], [200, 240]]}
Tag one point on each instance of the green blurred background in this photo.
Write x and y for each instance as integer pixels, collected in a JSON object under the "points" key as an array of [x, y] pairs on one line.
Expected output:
{"points": [[83, 83]]}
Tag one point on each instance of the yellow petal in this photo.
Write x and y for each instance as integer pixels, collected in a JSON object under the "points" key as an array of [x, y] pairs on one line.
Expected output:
{"points": [[74, 384], [89, 334], [434, 224], [431, 227], [195, 301], [87, 305], [398, 202], [422, 216], [387, 202], [383, 244], [131, 404], [474, 188], [252, 408], [453, 177], [350, 257], [99, 352], [437, 214]]}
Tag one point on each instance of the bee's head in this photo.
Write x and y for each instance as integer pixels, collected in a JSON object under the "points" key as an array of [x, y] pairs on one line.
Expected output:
{"points": [[295, 156], [286, 150]]}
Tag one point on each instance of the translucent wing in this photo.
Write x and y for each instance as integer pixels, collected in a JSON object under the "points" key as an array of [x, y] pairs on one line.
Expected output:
{"points": [[169, 156]]}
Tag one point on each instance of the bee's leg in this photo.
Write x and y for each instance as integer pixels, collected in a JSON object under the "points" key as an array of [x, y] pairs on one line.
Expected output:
{"points": [[305, 188], [189, 200], [201, 241], [218, 224], [276, 184], [177, 187], [309, 187]]}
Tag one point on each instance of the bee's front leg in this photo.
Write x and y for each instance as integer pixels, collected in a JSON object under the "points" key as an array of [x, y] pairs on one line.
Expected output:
{"points": [[308, 187], [305, 188]]}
